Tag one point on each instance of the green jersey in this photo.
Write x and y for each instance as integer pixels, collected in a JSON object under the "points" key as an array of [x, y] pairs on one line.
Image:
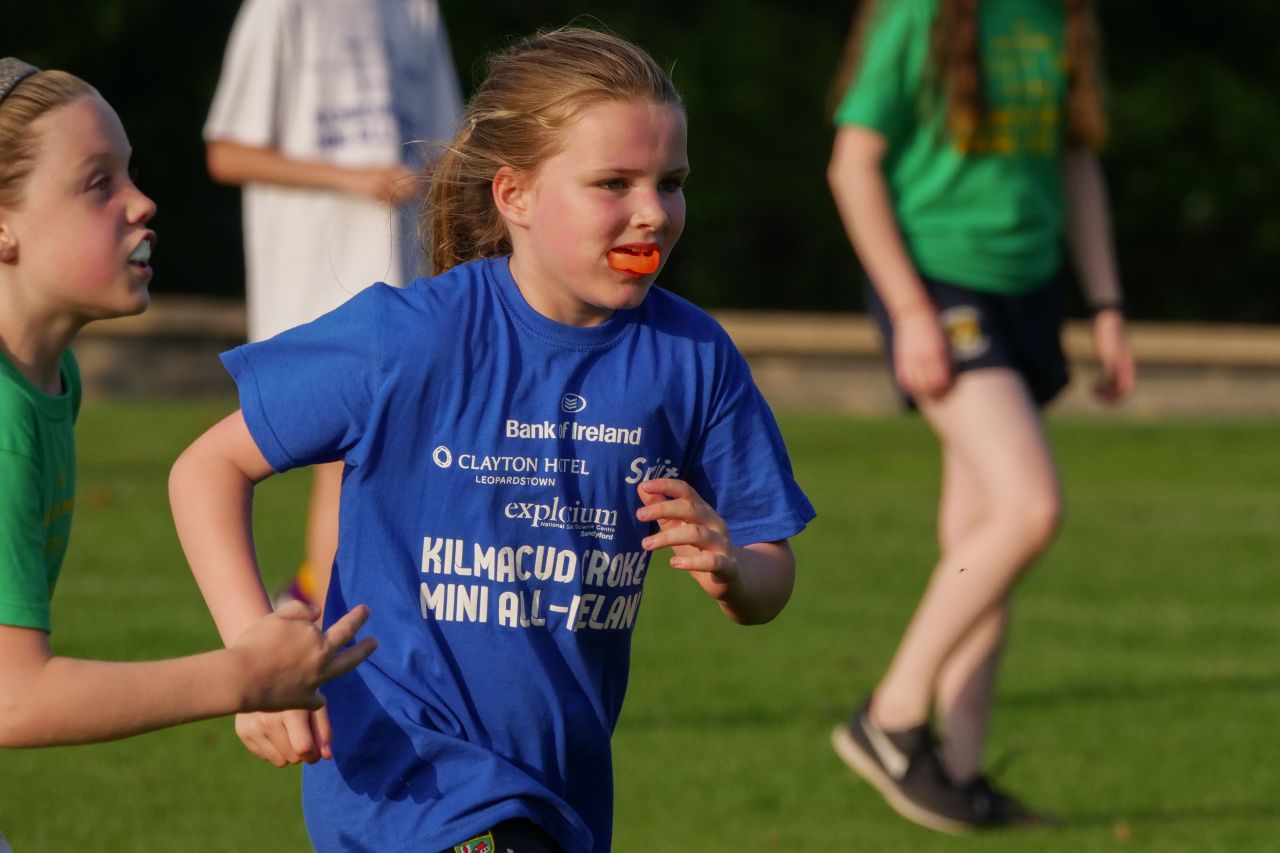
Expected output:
{"points": [[37, 490], [991, 218]]}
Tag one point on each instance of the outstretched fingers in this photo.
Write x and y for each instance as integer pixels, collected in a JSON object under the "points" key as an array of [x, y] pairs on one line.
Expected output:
{"points": [[351, 657], [653, 491], [669, 500], [692, 534], [675, 509], [342, 632], [345, 629], [689, 526]]}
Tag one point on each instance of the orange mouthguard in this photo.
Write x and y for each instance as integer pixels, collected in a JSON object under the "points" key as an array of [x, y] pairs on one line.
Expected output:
{"points": [[641, 261]]}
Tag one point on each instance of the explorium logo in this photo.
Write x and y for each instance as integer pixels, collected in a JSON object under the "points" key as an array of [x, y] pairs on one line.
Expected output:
{"points": [[563, 516], [573, 403]]}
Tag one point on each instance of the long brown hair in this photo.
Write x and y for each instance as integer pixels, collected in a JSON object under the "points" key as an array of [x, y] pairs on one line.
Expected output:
{"points": [[517, 117], [953, 78], [30, 99]]}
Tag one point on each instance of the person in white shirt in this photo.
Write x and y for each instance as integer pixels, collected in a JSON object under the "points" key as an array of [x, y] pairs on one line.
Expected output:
{"points": [[326, 112]]}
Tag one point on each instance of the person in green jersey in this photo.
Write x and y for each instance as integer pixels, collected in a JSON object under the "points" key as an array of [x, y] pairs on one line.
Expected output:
{"points": [[75, 247], [964, 160]]}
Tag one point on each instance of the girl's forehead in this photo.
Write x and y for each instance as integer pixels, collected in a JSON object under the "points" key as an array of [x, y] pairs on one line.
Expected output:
{"points": [[633, 111], [80, 130], [611, 123]]}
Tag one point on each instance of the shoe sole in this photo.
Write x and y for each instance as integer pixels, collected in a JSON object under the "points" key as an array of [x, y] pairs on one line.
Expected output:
{"points": [[869, 769]]}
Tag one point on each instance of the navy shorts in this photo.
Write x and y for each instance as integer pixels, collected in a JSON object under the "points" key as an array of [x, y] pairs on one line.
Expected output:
{"points": [[1022, 332]]}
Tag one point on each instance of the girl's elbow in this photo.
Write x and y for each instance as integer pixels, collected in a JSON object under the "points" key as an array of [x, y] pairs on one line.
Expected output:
{"points": [[220, 162], [848, 182], [12, 737], [764, 612], [213, 164], [178, 472], [188, 472], [837, 178], [17, 728]]}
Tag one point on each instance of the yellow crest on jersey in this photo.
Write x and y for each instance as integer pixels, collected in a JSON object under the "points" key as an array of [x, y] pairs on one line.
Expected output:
{"points": [[964, 332]]}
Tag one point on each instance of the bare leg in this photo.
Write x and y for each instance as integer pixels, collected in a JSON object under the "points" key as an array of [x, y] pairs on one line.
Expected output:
{"points": [[966, 683], [964, 693], [322, 525], [991, 426]]}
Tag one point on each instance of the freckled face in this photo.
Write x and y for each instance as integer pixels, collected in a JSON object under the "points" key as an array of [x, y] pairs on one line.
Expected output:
{"points": [[83, 248], [616, 183]]}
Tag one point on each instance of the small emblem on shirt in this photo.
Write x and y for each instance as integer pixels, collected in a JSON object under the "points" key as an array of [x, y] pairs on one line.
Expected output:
{"points": [[573, 403], [479, 844], [963, 324]]}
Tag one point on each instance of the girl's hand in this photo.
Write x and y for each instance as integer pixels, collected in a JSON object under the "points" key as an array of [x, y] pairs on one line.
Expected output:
{"points": [[286, 657], [693, 530], [921, 359], [1111, 343], [286, 737], [388, 184]]}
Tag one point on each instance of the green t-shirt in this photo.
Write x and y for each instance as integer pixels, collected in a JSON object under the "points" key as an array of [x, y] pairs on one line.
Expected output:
{"points": [[37, 490], [992, 219]]}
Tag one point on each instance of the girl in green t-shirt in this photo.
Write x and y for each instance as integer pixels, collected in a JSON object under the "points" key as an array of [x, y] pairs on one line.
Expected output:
{"points": [[75, 247], [964, 158]]}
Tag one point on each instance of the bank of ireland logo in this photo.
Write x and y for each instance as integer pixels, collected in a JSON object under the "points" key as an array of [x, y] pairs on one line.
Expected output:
{"points": [[442, 457], [573, 403]]}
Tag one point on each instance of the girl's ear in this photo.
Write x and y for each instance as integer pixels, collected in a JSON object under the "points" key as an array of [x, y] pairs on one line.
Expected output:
{"points": [[511, 195], [8, 243]]}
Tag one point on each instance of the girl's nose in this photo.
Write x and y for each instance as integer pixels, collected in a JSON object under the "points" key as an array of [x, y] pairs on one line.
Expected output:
{"points": [[141, 208], [650, 212]]}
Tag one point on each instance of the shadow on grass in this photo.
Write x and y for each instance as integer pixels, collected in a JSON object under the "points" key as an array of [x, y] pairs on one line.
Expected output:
{"points": [[1195, 687], [1164, 815], [824, 713]]}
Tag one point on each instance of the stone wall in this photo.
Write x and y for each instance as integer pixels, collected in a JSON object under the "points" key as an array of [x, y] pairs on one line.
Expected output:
{"points": [[807, 361]]}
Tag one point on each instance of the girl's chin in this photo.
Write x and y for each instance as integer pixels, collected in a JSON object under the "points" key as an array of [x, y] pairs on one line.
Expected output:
{"points": [[135, 303], [633, 296], [141, 304], [636, 291]]}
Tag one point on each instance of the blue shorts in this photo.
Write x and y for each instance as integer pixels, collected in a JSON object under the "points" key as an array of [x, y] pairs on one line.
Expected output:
{"points": [[1022, 332]]}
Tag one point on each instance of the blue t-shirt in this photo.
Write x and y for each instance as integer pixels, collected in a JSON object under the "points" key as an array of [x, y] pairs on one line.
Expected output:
{"points": [[488, 520]]}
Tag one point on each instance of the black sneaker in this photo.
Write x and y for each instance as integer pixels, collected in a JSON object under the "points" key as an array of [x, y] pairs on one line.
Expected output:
{"points": [[996, 808], [904, 767]]}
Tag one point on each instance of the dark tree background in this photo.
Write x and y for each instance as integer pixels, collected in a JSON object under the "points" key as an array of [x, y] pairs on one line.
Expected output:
{"points": [[1194, 161]]}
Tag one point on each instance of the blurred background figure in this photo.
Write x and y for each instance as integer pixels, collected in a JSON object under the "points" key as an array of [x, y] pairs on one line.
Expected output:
{"points": [[325, 113], [964, 155]]}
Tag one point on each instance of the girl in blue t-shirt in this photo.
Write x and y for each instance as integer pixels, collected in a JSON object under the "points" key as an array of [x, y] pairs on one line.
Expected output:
{"points": [[519, 434], [75, 247]]}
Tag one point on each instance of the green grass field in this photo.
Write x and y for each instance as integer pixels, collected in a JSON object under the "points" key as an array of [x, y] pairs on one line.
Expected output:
{"points": [[1138, 701]]}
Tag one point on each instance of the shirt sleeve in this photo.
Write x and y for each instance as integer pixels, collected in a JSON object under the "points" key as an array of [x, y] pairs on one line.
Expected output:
{"points": [[24, 587], [246, 102], [741, 464], [308, 393], [884, 92]]}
